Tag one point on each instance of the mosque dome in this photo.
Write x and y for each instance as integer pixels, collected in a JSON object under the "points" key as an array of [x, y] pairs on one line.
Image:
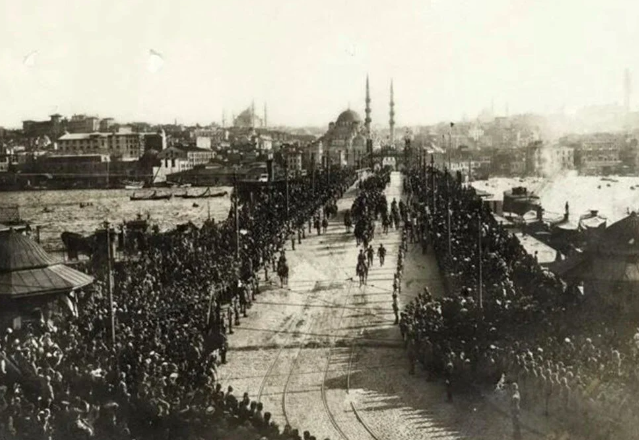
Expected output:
{"points": [[348, 117]]}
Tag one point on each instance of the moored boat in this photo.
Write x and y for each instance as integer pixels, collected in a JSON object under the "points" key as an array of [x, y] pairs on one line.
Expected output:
{"points": [[133, 185], [205, 195], [152, 196]]}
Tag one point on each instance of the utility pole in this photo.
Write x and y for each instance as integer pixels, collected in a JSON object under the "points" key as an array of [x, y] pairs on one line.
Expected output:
{"points": [[286, 171], [450, 246], [107, 227], [450, 147], [481, 298], [237, 222], [433, 188], [450, 252]]}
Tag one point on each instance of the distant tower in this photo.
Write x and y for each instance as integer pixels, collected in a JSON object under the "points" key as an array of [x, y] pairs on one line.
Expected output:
{"points": [[223, 118], [367, 121], [627, 89], [253, 114], [265, 116], [392, 114]]}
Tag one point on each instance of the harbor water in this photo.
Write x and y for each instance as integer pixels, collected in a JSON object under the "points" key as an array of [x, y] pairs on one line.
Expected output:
{"points": [[59, 211]]}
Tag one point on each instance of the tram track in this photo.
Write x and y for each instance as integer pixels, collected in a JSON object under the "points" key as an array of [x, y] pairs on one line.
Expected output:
{"points": [[281, 375], [327, 368]]}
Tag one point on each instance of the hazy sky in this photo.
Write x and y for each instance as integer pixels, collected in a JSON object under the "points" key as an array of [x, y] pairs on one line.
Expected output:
{"points": [[309, 59]]}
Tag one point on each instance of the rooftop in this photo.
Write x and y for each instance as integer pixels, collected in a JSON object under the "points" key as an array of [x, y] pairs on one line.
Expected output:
{"points": [[26, 269]]}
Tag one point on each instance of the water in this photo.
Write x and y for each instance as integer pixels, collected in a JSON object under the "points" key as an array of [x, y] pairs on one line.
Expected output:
{"points": [[112, 205], [583, 193]]}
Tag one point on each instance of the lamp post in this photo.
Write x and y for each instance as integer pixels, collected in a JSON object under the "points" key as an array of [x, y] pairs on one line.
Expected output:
{"points": [[107, 228], [237, 222], [286, 172], [479, 245]]}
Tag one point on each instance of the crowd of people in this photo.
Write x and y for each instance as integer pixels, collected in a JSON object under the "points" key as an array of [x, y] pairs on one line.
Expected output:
{"points": [[507, 322], [174, 305]]}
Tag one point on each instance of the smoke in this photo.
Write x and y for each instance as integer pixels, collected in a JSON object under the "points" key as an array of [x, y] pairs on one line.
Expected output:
{"points": [[552, 162]]}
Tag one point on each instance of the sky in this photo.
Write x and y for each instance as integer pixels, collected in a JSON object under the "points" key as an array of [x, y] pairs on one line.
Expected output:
{"points": [[192, 60]]}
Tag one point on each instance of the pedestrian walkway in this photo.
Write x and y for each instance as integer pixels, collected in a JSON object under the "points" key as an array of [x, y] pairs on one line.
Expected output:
{"points": [[324, 354]]}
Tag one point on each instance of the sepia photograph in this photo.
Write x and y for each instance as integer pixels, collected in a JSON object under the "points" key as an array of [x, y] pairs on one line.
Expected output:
{"points": [[319, 220]]}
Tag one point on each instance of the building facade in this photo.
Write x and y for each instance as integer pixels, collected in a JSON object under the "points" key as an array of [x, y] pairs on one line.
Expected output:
{"points": [[121, 146], [542, 160], [52, 128], [599, 155], [83, 124]]}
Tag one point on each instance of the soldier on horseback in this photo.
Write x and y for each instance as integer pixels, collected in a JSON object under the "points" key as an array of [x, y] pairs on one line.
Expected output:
{"points": [[282, 269]]}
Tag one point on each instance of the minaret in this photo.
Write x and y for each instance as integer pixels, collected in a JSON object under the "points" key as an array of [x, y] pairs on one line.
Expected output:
{"points": [[265, 116], [223, 119], [392, 115], [367, 121], [253, 114]]}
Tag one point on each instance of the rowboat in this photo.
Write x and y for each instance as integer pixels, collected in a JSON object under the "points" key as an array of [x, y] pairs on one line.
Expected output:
{"points": [[205, 195], [153, 196], [133, 185]]}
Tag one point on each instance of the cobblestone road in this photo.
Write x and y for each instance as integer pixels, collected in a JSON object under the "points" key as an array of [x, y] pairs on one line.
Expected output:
{"points": [[323, 354]]}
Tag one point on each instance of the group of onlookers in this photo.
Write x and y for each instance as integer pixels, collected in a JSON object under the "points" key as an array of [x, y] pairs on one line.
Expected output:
{"points": [[174, 305], [571, 360]]}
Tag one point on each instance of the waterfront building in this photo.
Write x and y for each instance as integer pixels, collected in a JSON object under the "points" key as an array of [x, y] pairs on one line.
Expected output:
{"points": [[53, 128], [186, 157], [83, 124], [598, 154], [106, 125], [548, 160], [125, 146]]}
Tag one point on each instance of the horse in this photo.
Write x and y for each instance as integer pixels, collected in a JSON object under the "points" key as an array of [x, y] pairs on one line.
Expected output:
{"points": [[348, 222], [282, 272], [362, 273]]}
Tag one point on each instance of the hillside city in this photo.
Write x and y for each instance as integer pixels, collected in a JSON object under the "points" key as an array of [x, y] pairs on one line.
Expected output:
{"points": [[90, 152]]}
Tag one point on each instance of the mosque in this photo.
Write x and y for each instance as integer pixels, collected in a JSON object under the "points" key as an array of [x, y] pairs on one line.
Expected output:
{"points": [[349, 138], [249, 119]]}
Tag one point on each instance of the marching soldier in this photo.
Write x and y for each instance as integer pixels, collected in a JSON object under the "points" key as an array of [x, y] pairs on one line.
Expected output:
{"points": [[243, 294], [515, 410], [395, 308], [370, 253], [224, 343], [230, 318], [412, 356], [381, 253]]}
